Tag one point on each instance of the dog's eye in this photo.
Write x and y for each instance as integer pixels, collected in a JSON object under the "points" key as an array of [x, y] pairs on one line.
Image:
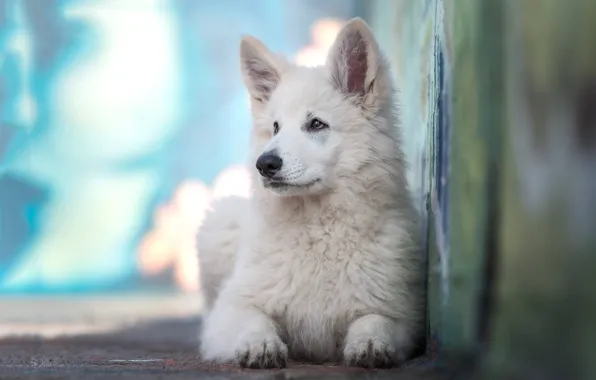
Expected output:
{"points": [[317, 125], [275, 127]]}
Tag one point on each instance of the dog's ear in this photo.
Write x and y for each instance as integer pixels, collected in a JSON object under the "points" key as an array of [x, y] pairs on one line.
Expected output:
{"points": [[261, 69], [355, 61]]}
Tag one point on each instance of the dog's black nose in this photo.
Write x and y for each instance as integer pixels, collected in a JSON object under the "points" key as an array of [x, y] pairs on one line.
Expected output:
{"points": [[268, 164]]}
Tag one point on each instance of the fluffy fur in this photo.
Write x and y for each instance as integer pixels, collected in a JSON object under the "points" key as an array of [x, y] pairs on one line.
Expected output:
{"points": [[323, 263]]}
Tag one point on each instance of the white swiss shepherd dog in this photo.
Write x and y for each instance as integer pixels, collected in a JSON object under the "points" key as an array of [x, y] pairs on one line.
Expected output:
{"points": [[323, 262]]}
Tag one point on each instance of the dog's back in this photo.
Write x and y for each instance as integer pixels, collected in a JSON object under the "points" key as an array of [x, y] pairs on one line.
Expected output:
{"points": [[217, 244]]}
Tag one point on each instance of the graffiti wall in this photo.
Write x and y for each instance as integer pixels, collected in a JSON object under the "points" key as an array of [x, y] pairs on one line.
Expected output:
{"points": [[119, 121]]}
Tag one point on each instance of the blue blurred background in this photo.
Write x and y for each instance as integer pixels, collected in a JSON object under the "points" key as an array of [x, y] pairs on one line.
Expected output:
{"points": [[120, 121]]}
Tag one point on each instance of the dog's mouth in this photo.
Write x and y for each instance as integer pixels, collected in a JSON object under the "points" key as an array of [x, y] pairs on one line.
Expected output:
{"points": [[277, 184]]}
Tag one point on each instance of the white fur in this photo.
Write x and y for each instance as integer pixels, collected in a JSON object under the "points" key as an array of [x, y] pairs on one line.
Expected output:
{"points": [[334, 271]]}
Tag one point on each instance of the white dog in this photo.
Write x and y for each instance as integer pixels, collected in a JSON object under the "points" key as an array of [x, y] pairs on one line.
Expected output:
{"points": [[323, 263]]}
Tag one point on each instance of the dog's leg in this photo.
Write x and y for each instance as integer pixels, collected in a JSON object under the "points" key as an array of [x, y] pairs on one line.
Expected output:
{"points": [[242, 335], [374, 341]]}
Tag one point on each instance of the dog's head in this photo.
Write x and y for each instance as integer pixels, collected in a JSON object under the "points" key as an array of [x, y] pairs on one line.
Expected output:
{"points": [[313, 126]]}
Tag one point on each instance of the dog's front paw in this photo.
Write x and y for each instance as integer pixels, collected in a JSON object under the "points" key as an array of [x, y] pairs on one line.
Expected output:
{"points": [[371, 352], [374, 341], [268, 352], [241, 335]]}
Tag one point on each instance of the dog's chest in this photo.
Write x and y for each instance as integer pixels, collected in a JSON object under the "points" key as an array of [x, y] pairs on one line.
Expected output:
{"points": [[314, 306], [316, 268], [316, 285], [315, 275]]}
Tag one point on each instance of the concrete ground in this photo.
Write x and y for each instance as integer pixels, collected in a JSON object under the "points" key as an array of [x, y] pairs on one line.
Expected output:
{"points": [[132, 337]]}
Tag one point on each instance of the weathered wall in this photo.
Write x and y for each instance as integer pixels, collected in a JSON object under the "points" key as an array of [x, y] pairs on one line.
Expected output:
{"points": [[416, 39], [499, 105]]}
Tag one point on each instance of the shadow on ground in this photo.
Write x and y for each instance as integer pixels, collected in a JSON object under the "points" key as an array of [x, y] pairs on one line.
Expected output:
{"points": [[155, 350]]}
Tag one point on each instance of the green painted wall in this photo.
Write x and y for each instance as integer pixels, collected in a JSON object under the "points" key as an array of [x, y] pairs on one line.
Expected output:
{"points": [[545, 312], [510, 86]]}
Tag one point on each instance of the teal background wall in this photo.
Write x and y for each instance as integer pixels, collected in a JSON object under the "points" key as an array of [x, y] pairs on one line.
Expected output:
{"points": [[116, 116]]}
